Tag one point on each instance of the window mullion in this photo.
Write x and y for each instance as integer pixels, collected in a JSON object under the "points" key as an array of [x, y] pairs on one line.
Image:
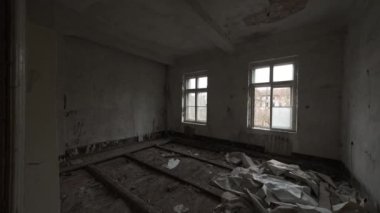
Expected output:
{"points": [[261, 84], [271, 96], [252, 95], [185, 104], [283, 84], [293, 108], [196, 99]]}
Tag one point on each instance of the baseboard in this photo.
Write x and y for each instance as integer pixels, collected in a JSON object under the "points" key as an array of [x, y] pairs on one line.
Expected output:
{"points": [[372, 204], [93, 148], [305, 161]]}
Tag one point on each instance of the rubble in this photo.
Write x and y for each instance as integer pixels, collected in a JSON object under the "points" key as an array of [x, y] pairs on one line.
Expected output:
{"points": [[172, 163], [274, 186], [180, 208]]}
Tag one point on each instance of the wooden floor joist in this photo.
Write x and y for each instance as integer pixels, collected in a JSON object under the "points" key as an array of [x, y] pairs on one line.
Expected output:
{"points": [[194, 157], [100, 157], [215, 192], [136, 203]]}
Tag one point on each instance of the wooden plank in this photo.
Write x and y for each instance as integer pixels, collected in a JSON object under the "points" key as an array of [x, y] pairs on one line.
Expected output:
{"points": [[209, 189], [108, 155], [215, 163], [137, 204]]}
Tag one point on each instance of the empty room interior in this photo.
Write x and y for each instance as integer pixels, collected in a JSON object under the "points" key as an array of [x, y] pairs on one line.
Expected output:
{"points": [[185, 106]]}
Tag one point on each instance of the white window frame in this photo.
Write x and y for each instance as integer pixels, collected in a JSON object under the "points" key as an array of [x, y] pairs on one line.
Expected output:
{"points": [[251, 91], [197, 90]]}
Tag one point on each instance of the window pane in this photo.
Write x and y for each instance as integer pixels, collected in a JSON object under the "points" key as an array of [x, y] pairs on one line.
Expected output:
{"points": [[282, 111], [262, 107], [202, 114], [190, 113], [190, 83], [202, 82], [282, 118], [282, 96], [190, 99], [202, 99], [283, 72], [261, 75]]}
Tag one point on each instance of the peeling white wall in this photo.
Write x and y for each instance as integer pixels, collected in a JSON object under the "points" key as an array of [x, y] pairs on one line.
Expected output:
{"points": [[361, 105], [320, 58], [110, 95], [105, 94]]}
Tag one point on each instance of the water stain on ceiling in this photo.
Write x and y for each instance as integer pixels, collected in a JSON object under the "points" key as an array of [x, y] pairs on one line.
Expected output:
{"points": [[277, 10]]}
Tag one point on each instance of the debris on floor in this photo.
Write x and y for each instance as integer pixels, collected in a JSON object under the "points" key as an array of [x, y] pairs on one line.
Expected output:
{"points": [[232, 203], [76, 162], [169, 155], [172, 163], [190, 152], [248, 185], [180, 208], [273, 186]]}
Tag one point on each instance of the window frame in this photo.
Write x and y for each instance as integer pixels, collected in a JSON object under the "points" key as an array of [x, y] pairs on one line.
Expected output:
{"points": [[293, 84], [196, 91]]}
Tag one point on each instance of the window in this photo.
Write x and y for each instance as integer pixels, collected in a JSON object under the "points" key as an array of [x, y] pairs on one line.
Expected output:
{"points": [[272, 94], [195, 98]]}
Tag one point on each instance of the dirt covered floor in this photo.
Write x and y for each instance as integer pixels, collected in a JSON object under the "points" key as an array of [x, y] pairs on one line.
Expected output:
{"points": [[80, 192], [170, 177]]}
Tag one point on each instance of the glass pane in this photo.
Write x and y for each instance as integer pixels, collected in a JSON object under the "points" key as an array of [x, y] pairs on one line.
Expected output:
{"points": [[282, 111], [190, 99], [282, 96], [282, 118], [283, 72], [190, 113], [261, 75], [202, 114], [202, 82], [262, 107], [190, 83], [202, 99]]}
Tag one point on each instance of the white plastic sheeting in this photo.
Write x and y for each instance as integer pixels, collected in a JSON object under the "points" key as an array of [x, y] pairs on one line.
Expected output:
{"points": [[273, 186]]}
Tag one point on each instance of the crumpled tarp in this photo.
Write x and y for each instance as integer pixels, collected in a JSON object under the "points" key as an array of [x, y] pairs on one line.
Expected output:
{"points": [[274, 186]]}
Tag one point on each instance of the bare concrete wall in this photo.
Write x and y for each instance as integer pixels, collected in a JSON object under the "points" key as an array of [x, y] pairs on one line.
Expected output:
{"points": [[105, 94], [361, 105], [320, 58], [41, 193]]}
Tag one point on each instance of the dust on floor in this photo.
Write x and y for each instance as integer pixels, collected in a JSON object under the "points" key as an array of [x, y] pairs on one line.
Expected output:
{"points": [[80, 192]]}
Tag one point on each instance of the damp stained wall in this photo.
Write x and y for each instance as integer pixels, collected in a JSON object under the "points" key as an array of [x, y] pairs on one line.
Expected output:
{"points": [[320, 60], [361, 105], [106, 95], [41, 193]]}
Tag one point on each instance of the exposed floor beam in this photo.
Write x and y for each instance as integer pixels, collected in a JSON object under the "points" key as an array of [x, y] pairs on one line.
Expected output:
{"points": [[194, 157], [212, 30], [215, 192], [137, 204]]}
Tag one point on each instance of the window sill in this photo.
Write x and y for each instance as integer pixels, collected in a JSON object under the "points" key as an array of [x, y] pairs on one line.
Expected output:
{"points": [[262, 130], [193, 123]]}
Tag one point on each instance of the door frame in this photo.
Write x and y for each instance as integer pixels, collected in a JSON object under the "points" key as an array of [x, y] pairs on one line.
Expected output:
{"points": [[12, 104]]}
